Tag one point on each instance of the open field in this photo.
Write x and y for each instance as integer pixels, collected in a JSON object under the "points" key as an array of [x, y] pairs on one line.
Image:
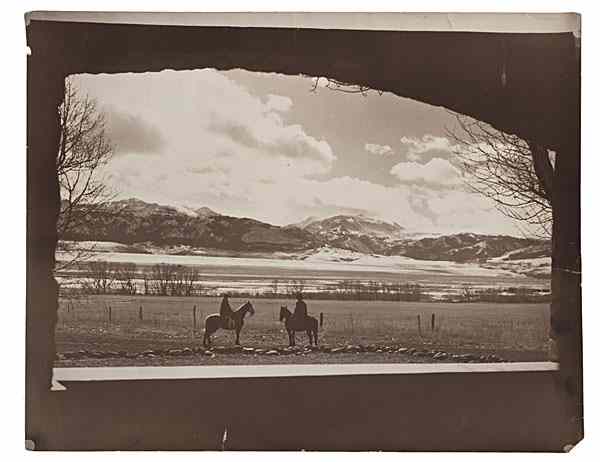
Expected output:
{"points": [[515, 332]]}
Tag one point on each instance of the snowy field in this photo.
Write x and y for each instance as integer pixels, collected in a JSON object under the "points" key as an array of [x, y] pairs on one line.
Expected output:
{"points": [[324, 268]]}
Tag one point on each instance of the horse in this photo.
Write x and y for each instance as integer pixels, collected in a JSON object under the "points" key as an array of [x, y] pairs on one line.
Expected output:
{"points": [[310, 326], [213, 322]]}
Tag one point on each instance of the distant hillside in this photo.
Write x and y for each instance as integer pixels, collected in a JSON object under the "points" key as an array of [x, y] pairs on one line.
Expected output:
{"points": [[134, 221], [465, 247], [354, 232]]}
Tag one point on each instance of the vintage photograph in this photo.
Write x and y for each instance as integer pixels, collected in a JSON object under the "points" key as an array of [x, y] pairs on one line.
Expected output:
{"points": [[232, 217], [303, 231]]}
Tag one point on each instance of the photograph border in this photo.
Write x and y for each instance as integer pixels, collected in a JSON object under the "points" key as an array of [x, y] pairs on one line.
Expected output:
{"points": [[548, 401]]}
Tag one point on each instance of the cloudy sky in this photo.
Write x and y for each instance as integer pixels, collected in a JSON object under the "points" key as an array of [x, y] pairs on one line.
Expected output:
{"points": [[265, 146]]}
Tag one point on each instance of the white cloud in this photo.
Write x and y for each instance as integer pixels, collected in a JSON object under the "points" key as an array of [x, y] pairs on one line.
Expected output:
{"points": [[353, 193], [224, 147], [236, 153], [255, 128], [379, 149], [285, 197], [436, 172], [420, 146], [454, 211], [279, 103], [131, 133]]}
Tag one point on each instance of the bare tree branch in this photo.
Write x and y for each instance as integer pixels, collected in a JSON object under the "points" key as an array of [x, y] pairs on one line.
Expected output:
{"points": [[515, 174], [84, 148], [344, 87]]}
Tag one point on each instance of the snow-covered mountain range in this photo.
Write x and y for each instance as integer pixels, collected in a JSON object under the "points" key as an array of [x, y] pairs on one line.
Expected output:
{"points": [[133, 221]]}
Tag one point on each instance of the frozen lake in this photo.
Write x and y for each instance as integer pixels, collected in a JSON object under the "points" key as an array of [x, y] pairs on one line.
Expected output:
{"points": [[325, 268]]}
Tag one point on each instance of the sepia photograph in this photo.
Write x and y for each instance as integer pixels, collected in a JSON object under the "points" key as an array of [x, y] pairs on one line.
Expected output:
{"points": [[303, 231], [237, 217]]}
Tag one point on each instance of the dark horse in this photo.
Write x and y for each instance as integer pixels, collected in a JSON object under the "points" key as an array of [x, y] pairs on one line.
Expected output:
{"points": [[310, 326], [214, 322]]}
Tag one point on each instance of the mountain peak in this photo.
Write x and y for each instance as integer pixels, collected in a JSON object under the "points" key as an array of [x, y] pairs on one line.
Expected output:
{"points": [[140, 207], [132, 201], [355, 232], [206, 212]]}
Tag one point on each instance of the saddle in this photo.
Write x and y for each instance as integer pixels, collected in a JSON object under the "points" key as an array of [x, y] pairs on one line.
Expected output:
{"points": [[299, 324], [228, 323]]}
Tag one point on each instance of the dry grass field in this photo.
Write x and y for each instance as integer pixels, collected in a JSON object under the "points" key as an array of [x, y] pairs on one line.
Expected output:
{"points": [[515, 332]]}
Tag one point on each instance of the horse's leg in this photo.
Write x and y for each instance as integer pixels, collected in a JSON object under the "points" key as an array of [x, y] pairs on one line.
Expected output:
{"points": [[289, 336], [309, 333], [316, 334], [237, 336], [206, 339]]}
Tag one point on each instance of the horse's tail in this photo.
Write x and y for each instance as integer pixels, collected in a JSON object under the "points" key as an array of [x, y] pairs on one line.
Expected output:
{"points": [[321, 319]]}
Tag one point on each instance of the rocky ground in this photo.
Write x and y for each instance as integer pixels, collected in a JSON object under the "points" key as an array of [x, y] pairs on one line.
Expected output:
{"points": [[231, 355]]}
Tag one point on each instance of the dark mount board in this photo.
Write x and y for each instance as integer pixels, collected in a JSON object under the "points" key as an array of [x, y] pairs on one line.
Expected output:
{"points": [[512, 411]]}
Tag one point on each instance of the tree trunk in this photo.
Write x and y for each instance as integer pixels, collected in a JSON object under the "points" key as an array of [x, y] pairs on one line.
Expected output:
{"points": [[45, 90], [542, 168], [565, 313]]}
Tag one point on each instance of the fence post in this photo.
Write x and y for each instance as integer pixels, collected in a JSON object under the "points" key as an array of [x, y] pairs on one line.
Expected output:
{"points": [[109, 314], [432, 322], [141, 314], [419, 324], [321, 319], [194, 312]]}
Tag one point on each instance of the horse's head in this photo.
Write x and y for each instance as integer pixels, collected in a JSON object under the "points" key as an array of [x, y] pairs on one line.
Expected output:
{"points": [[283, 313], [250, 308]]}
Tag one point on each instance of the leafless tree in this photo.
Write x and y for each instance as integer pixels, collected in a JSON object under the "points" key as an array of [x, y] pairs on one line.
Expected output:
{"points": [[162, 278], [83, 149], [175, 285], [515, 173], [467, 293], [125, 274], [416, 292], [102, 275], [373, 289], [296, 287], [183, 281], [190, 277], [357, 289], [343, 288], [147, 289]]}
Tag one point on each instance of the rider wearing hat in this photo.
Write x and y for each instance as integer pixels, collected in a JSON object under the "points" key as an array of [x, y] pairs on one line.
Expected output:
{"points": [[226, 312], [300, 312]]}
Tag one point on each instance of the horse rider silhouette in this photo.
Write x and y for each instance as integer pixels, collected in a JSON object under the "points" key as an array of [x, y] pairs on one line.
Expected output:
{"points": [[226, 313], [300, 312]]}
